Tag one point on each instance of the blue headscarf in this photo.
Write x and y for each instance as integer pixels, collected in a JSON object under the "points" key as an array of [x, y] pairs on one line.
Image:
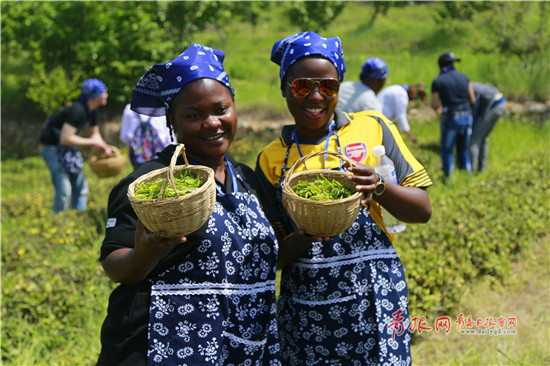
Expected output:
{"points": [[374, 68], [92, 88], [288, 50], [162, 82]]}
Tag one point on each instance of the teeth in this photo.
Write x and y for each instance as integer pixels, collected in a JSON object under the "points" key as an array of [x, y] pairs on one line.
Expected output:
{"points": [[214, 137], [314, 110]]}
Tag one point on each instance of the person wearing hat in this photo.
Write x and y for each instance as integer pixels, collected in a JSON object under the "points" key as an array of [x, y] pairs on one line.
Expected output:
{"points": [[395, 100], [357, 96], [452, 100], [59, 142], [340, 295], [489, 107], [207, 298]]}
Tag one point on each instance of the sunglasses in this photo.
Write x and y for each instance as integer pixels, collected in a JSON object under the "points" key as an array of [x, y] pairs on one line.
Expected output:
{"points": [[302, 87]]}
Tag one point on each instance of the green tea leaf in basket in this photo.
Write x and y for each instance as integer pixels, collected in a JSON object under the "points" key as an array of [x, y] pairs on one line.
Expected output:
{"points": [[184, 181], [322, 189]]}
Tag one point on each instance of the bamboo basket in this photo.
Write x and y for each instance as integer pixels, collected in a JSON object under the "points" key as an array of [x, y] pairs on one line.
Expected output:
{"points": [[109, 166], [180, 215], [325, 218]]}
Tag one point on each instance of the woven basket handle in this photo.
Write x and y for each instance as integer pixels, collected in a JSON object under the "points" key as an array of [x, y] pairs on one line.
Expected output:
{"points": [[180, 150], [115, 150], [303, 159]]}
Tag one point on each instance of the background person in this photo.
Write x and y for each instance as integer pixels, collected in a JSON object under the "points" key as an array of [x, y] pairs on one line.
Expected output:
{"points": [[357, 96], [59, 142], [339, 296], [489, 107], [395, 101], [452, 100], [144, 135], [208, 298]]}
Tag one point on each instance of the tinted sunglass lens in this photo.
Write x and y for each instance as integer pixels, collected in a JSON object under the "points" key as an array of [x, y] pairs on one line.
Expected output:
{"points": [[302, 87], [329, 87]]}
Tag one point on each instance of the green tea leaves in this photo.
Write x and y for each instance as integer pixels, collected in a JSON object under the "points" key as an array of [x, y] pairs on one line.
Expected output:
{"points": [[185, 183], [322, 189]]}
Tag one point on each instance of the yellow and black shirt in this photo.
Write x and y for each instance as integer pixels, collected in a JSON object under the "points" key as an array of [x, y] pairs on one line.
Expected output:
{"points": [[353, 135]]}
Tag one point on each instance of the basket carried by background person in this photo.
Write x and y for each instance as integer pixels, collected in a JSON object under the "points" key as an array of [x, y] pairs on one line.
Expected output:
{"points": [[180, 215], [326, 218], [107, 166]]}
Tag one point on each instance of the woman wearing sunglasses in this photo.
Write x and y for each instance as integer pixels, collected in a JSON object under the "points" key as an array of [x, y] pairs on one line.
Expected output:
{"points": [[343, 299]]}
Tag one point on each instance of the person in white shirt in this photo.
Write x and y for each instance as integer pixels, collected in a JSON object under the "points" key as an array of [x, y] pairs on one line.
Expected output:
{"points": [[357, 96], [395, 100], [155, 128]]}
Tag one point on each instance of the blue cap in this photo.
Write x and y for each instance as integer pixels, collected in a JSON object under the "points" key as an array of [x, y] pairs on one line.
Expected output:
{"points": [[374, 68], [92, 88]]}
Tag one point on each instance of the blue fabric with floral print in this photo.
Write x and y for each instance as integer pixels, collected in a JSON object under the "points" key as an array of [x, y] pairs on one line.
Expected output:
{"points": [[218, 306]]}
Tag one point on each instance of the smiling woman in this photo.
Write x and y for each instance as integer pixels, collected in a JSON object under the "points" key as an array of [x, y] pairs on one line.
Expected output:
{"points": [[343, 299], [213, 289]]}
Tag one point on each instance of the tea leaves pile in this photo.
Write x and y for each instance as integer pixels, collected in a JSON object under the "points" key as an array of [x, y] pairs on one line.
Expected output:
{"points": [[185, 183], [322, 189]]}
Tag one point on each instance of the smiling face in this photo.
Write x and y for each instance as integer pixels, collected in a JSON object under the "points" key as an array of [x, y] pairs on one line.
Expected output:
{"points": [[314, 112], [204, 119]]}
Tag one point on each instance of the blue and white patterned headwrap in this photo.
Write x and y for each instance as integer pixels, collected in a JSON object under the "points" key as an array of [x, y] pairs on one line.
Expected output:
{"points": [[92, 88], [162, 82], [288, 50], [374, 68]]}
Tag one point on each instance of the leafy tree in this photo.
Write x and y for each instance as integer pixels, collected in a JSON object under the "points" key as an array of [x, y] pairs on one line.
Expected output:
{"points": [[460, 10], [53, 89], [314, 15], [513, 28], [113, 41]]}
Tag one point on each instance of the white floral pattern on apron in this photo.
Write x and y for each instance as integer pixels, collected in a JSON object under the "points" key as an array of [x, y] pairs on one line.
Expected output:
{"points": [[217, 307], [337, 302]]}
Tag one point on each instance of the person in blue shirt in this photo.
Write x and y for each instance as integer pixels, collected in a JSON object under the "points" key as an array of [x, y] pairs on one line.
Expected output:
{"points": [[452, 99]]}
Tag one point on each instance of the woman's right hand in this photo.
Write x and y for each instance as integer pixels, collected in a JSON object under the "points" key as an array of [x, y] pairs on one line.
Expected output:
{"points": [[154, 245], [100, 144], [131, 265]]}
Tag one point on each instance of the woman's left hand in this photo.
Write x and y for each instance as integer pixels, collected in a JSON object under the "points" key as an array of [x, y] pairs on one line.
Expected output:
{"points": [[365, 178]]}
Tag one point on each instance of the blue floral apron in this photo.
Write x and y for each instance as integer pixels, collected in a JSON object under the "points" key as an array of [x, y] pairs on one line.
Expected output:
{"points": [[217, 307], [344, 302]]}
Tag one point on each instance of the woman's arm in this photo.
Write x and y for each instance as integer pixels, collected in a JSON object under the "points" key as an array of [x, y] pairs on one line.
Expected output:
{"points": [[69, 137], [408, 204], [294, 245], [132, 265]]}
